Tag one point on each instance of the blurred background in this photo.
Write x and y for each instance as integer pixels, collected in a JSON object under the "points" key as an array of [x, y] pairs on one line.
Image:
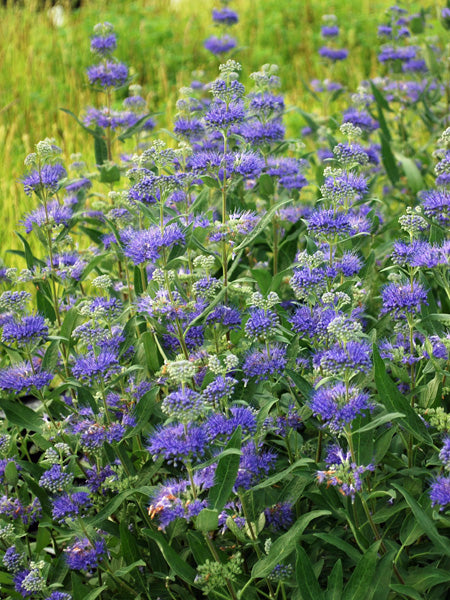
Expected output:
{"points": [[44, 53]]}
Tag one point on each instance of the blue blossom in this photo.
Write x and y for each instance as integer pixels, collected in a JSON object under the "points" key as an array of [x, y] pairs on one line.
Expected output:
{"points": [[218, 426], [28, 330], [220, 389], [225, 16], [108, 74], [70, 506], [354, 357], [13, 560], [24, 377], [221, 116], [261, 323], [333, 54], [338, 405], [280, 516], [96, 367], [266, 362], [255, 464], [104, 45], [177, 443], [258, 133], [440, 492], [329, 223], [220, 45], [399, 299], [85, 555], [47, 179], [55, 479]]}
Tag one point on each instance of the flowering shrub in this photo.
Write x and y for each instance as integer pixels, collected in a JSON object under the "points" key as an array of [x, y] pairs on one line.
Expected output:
{"points": [[226, 373]]}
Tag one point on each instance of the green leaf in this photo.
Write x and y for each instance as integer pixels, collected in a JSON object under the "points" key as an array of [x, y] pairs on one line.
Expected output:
{"points": [[151, 351], [226, 473], [125, 570], [335, 582], [109, 174], [285, 544], [265, 186], [92, 132], [199, 549], [383, 576], [143, 411], [394, 401], [134, 128], [21, 415], [306, 580], [303, 386], [429, 527], [100, 148], [11, 474], [388, 159], [51, 357], [406, 590], [273, 479], [115, 503], [360, 583], [267, 218], [381, 420], [413, 176], [177, 564], [29, 257], [338, 542], [207, 520], [69, 323], [95, 593], [211, 182]]}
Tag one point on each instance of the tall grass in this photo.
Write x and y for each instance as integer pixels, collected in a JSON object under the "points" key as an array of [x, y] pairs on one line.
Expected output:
{"points": [[43, 65]]}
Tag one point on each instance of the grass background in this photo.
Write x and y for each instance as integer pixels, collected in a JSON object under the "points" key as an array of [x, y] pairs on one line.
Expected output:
{"points": [[43, 66]]}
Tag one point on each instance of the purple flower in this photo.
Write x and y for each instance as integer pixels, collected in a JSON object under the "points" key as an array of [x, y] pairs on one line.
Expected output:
{"points": [[255, 464], [108, 75], [191, 129], [218, 426], [440, 492], [259, 133], [329, 223], [225, 16], [96, 367], [54, 213], [227, 316], [13, 560], [24, 377], [354, 357], [178, 442], [145, 245], [104, 45], [59, 596], [221, 388], [338, 406], [360, 118], [70, 506], [85, 555], [261, 323], [55, 479], [266, 362], [444, 454], [28, 330], [279, 516], [46, 179], [399, 299], [436, 205], [333, 54], [222, 116], [329, 31], [220, 45]]}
